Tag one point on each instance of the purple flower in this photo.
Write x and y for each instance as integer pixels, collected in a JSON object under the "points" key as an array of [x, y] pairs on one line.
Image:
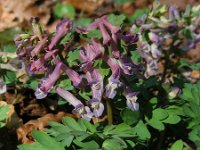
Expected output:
{"points": [[154, 38], [47, 83], [152, 68], [3, 87], [174, 92], [106, 36], [129, 38], [90, 53], [79, 108], [96, 81], [129, 68], [113, 80], [39, 64], [97, 107], [38, 48], [173, 13], [73, 76], [131, 98], [155, 52], [61, 30], [104, 27]]}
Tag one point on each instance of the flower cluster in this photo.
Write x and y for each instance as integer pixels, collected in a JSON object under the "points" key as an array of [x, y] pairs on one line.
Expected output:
{"points": [[42, 54], [166, 30]]}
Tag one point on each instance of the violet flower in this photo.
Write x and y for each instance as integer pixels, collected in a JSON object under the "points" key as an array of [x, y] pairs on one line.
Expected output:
{"points": [[173, 13], [104, 27], [131, 99], [113, 80], [129, 68], [96, 81], [90, 53], [152, 68], [174, 92], [79, 108], [3, 87], [154, 38], [38, 65], [38, 48], [45, 86], [73, 76], [61, 30]]}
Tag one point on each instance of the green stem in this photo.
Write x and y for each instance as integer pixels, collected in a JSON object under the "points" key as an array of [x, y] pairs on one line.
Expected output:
{"points": [[109, 112]]}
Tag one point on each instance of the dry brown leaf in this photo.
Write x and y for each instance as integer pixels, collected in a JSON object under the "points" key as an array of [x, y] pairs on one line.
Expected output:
{"points": [[16, 12], [180, 3], [193, 55], [88, 6], [24, 132]]}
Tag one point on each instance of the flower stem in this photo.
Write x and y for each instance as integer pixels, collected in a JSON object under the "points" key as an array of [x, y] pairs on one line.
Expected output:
{"points": [[109, 112]]}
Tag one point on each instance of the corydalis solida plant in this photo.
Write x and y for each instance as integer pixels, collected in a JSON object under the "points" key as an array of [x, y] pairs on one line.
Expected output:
{"points": [[42, 54], [165, 32]]}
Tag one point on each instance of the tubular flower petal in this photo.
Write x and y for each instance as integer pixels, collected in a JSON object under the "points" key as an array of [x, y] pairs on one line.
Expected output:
{"points": [[90, 53], [35, 66], [49, 82], [79, 108], [174, 92], [96, 83], [61, 30], [113, 80], [73, 76], [106, 36], [154, 38], [173, 13], [109, 26], [131, 98], [3, 87], [39, 47], [97, 107]]}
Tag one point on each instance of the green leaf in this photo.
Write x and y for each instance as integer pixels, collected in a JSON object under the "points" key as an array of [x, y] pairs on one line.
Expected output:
{"points": [[111, 144], [89, 126], [10, 48], [131, 143], [73, 57], [135, 56], [4, 109], [66, 139], [178, 145], [108, 128], [47, 141], [85, 94], [120, 129], [66, 39], [66, 85], [142, 131], [138, 14], [64, 10], [33, 146], [156, 124], [92, 145], [94, 34], [116, 20], [83, 21], [121, 2], [10, 77], [172, 119], [129, 117], [33, 83], [71, 123], [160, 114]]}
